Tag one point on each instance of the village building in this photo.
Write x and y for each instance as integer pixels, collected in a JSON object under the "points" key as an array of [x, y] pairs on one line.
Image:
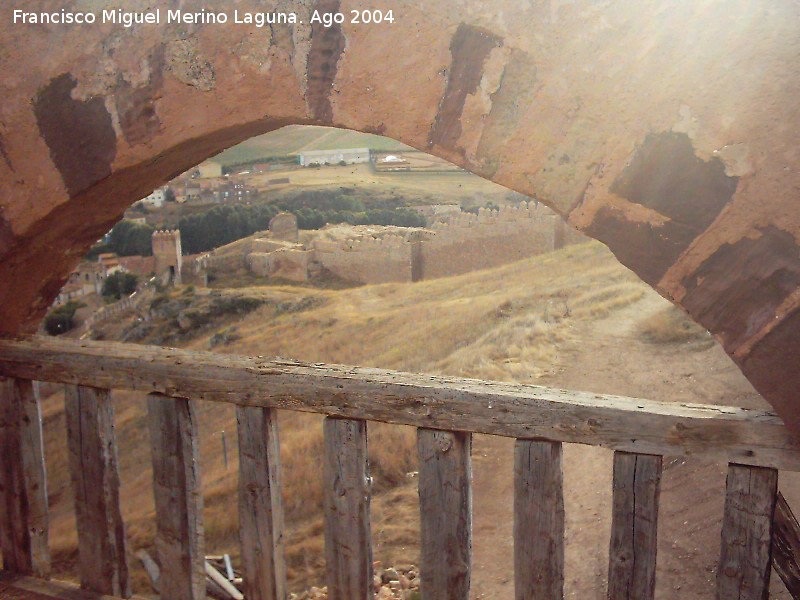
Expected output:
{"points": [[157, 198], [351, 156]]}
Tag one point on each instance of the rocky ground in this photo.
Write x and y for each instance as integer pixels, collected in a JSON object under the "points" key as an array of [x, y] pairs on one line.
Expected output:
{"points": [[401, 582]]}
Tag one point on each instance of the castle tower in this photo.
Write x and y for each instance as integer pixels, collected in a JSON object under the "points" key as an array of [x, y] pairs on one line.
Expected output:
{"points": [[167, 252]]}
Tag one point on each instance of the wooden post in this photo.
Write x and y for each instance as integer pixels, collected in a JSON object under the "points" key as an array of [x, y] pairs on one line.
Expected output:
{"points": [[745, 558], [445, 504], [538, 520], [786, 546], [348, 548], [178, 496], [634, 524], [93, 467], [24, 520], [260, 508]]}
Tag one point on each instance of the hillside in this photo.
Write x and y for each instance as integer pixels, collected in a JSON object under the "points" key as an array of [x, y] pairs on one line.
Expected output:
{"points": [[573, 318], [296, 138]]}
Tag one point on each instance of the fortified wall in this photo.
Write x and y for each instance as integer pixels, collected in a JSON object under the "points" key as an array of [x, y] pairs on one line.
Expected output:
{"points": [[467, 242], [455, 244], [367, 259]]}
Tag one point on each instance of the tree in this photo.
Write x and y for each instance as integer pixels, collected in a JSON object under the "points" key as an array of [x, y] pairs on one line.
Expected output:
{"points": [[121, 283], [131, 239]]}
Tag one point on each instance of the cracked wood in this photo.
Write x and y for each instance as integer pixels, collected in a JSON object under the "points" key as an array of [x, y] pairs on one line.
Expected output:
{"points": [[93, 465], [508, 409], [24, 517], [445, 506], [538, 520], [746, 553], [634, 525], [179, 498], [260, 510], [346, 499]]}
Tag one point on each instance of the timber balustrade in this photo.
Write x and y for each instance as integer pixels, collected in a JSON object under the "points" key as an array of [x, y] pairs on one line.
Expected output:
{"points": [[446, 412]]}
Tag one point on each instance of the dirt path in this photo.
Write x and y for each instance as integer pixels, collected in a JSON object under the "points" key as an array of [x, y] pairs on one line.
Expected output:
{"points": [[612, 359]]}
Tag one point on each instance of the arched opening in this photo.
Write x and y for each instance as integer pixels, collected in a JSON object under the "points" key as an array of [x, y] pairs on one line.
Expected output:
{"points": [[506, 323], [656, 128]]}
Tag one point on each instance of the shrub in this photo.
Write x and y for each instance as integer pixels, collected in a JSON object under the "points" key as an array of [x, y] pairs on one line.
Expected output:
{"points": [[236, 305], [61, 319], [671, 325]]}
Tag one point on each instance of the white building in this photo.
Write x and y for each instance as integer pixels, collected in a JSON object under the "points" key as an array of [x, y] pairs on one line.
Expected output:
{"points": [[156, 198], [333, 157]]}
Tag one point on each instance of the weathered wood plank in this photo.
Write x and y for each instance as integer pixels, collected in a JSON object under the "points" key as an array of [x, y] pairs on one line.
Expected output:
{"points": [[260, 509], [178, 498], [786, 546], [150, 567], [93, 465], [634, 525], [745, 557], [445, 505], [24, 516], [228, 589], [538, 520], [508, 409], [14, 586], [346, 500]]}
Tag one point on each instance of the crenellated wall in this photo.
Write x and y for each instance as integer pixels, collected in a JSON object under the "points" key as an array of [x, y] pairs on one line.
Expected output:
{"points": [[457, 244], [489, 239], [366, 259]]}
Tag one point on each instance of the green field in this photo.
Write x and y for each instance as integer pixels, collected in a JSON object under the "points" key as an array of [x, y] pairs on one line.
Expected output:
{"points": [[294, 138]]}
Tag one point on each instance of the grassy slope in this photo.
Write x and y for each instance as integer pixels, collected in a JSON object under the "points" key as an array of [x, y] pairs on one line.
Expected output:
{"points": [[510, 323], [294, 138]]}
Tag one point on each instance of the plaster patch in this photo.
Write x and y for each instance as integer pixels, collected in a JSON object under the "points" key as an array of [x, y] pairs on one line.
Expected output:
{"points": [[184, 61], [736, 158], [686, 122]]}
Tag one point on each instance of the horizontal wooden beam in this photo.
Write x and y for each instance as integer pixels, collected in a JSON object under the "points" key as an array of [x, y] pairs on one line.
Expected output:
{"points": [[738, 435]]}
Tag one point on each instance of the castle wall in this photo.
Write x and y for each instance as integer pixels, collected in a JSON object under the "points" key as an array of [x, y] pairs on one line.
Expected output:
{"points": [[266, 245], [489, 239], [367, 260], [290, 263], [462, 243]]}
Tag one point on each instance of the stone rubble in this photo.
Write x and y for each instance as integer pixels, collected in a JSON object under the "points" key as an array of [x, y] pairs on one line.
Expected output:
{"points": [[400, 582]]}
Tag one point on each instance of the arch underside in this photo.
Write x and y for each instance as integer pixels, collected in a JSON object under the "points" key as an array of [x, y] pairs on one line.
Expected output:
{"points": [[665, 130]]}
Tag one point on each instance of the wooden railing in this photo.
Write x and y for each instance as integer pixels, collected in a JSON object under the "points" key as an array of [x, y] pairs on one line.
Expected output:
{"points": [[446, 412]]}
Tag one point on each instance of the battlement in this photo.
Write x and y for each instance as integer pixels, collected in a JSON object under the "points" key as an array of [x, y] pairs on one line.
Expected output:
{"points": [[457, 243], [373, 244], [167, 234]]}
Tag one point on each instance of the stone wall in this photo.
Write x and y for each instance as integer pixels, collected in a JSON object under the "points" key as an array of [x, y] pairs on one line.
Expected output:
{"points": [[489, 239], [285, 263], [367, 259], [202, 263]]}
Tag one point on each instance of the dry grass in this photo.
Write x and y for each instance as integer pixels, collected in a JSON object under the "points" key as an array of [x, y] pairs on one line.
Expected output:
{"points": [[513, 323], [672, 326]]}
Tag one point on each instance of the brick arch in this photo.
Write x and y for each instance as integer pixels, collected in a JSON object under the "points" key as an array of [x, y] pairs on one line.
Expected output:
{"points": [[666, 131]]}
